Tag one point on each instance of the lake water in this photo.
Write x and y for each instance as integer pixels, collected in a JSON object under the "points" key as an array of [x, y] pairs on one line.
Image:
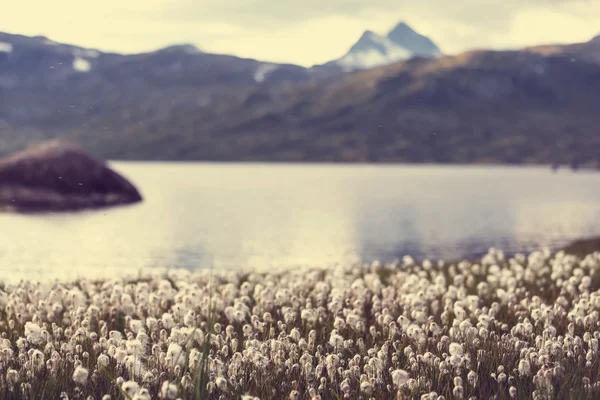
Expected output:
{"points": [[228, 215]]}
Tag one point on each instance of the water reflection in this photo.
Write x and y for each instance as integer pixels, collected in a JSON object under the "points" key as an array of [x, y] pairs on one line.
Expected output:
{"points": [[261, 218], [313, 231], [266, 216]]}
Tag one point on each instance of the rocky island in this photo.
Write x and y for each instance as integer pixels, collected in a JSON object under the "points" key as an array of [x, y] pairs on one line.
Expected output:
{"points": [[60, 177]]}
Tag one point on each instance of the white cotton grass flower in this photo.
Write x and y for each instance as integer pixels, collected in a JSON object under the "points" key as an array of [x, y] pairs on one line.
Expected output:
{"points": [[221, 383], [295, 335], [135, 366], [130, 387], [336, 340], [430, 396], [458, 392], [366, 387], [167, 320], [151, 323], [169, 390], [456, 349], [186, 381], [103, 361], [524, 367], [80, 375], [12, 376], [175, 354], [458, 381], [136, 325], [142, 394], [294, 395], [193, 335], [361, 329], [190, 319], [400, 377], [120, 355], [33, 333], [135, 347], [502, 377], [472, 378]]}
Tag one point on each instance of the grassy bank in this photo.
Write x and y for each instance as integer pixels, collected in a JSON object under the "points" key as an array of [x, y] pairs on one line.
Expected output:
{"points": [[583, 246], [525, 327]]}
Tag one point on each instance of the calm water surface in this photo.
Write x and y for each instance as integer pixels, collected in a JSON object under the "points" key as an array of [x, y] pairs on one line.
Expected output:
{"points": [[266, 216]]}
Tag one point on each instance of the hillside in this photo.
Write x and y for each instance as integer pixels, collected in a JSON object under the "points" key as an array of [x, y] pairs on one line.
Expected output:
{"points": [[538, 105], [51, 87]]}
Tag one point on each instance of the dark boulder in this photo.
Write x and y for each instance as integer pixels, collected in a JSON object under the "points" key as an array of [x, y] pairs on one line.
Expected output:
{"points": [[60, 177]]}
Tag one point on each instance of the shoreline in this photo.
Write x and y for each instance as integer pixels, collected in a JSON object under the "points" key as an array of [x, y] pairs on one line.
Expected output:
{"points": [[581, 247]]}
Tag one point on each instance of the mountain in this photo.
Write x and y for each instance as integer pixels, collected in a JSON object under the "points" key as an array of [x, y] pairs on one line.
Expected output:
{"points": [[52, 84], [477, 107], [536, 105], [587, 51], [419, 45], [38, 60], [373, 50]]}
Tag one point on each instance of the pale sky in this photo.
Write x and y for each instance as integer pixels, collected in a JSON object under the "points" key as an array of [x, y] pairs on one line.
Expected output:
{"points": [[303, 32]]}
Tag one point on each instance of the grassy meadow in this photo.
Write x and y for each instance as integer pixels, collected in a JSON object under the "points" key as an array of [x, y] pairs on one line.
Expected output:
{"points": [[502, 328]]}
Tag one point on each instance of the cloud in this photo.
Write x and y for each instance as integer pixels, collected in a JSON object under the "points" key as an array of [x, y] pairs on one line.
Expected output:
{"points": [[455, 25], [109, 25], [264, 13], [315, 41], [303, 32], [277, 13], [547, 26]]}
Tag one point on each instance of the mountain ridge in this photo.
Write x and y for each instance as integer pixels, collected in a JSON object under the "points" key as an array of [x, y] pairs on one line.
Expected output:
{"points": [[413, 41], [535, 105], [400, 43]]}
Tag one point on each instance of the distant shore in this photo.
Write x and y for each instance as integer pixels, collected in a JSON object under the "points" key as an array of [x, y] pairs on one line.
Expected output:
{"points": [[583, 246]]}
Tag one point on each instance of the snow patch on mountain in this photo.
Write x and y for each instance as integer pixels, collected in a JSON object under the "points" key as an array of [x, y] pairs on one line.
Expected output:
{"points": [[5, 47], [185, 48], [192, 50], [406, 37], [263, 70], [91, 53], [371, 51], [81, 64]]}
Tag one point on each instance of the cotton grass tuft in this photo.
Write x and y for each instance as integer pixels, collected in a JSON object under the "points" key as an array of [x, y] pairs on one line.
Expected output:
{"points": [[519, 327]]}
